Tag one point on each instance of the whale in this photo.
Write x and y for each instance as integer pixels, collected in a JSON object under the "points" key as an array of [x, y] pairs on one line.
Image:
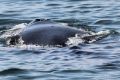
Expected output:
{"points": [[48, 32]]}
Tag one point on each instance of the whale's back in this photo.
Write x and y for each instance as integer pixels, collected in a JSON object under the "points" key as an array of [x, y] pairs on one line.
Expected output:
{"points": [[48, 33]]}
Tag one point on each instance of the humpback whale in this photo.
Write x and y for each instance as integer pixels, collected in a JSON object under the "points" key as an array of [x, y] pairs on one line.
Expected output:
{"points": [[47, 32]]}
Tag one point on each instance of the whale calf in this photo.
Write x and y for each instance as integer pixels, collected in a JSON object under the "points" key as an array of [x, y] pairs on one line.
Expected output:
{"points": [[47, 32]]}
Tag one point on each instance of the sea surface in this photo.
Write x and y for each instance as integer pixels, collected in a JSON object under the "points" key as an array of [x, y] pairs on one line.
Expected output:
{"points": [[96, 61]]}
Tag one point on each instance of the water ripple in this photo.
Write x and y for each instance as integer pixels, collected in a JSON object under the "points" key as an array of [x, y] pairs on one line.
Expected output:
{"points": [[96, 61], [11, 71]]}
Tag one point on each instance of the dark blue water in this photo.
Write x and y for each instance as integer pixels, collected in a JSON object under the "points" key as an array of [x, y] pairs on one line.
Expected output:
{"points": [[95, 61]]}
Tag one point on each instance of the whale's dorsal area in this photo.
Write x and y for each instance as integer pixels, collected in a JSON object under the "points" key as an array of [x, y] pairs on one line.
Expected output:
{"points": [[47, 32]]}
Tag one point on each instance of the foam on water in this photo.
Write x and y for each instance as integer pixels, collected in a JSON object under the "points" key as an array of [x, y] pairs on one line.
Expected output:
{"points": [[81, 39], [14, 31]]}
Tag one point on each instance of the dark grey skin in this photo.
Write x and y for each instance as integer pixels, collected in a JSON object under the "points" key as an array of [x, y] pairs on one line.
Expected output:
{"points": [[47, 32]]}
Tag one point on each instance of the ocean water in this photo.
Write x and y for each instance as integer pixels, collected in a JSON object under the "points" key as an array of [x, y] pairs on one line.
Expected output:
{"points": [[96, 61]]}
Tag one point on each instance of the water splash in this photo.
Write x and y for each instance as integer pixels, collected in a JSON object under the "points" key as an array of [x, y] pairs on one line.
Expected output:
{"points": [[87, 38], [14, 31]]}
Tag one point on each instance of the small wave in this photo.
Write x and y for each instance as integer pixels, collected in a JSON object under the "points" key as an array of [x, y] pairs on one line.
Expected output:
{"points": [[12, 21], [76, 0], [11, 71], [105, 22], [77, 71], [108, 67], [53, 4], [108, 22]]}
